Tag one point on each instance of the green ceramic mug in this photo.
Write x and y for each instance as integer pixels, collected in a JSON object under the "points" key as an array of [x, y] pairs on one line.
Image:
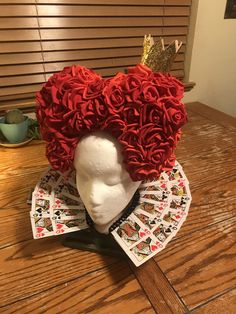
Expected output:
{"points": [[14, 133]]}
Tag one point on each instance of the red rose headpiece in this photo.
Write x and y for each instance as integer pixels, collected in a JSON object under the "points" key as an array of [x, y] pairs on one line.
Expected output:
{"points": [[141, 109]]}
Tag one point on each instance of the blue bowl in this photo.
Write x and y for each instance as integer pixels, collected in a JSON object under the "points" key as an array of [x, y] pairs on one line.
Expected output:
{"points": [[14, 133]]}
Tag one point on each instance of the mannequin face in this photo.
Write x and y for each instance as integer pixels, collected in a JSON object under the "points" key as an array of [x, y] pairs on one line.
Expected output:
{"points": [[104, 185]]}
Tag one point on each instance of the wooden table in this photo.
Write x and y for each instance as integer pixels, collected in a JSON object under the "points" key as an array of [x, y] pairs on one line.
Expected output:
{"points": [[195, 273]]}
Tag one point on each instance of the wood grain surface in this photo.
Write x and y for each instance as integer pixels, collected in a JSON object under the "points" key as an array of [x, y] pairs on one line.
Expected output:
{"points": [[225, 303], [194, 274], [114, 288], [163, 297]]}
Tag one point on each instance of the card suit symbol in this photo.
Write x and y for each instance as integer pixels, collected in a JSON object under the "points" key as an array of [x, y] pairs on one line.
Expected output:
{"points": [[60, 231], [59, 226], [163, 186], [177, 216], [153, 248], [181, 183], [159, 244], [39, 229], [142, 234]]}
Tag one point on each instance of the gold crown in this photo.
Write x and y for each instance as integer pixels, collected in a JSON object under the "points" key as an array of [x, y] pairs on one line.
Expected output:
{"points": [[156, 56]]}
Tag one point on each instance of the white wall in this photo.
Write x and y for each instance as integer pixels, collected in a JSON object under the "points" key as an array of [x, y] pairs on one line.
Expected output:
{"points": [[213, 56]]}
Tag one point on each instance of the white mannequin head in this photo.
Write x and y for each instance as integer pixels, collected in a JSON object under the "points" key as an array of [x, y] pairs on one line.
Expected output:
{"points": [[104, 184]]}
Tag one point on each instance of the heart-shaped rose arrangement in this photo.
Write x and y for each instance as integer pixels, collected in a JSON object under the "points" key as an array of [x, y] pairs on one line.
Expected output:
{"points": [[141, 109]]}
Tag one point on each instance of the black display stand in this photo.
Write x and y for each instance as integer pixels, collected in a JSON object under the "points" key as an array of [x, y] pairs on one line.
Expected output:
{"points": [[93, 241]]}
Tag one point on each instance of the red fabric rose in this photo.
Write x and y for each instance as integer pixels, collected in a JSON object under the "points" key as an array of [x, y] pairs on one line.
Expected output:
{"points": [[131, 114], [75, 123], [114, 95], [93, 113], [168, 85], [169, 163], [151, 113], [84, 75], [150, 134], [129, 138], [93, 90], [141, 70], [114, 125], [174, 114], [137, 166], [149, 93], [64, 149], [133, 88]]}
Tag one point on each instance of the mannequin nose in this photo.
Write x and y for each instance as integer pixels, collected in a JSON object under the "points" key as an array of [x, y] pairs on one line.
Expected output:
{"points": [[93, 200], [94, 196]]}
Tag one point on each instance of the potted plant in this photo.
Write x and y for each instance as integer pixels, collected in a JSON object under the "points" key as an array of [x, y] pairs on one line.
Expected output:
{"points": [[14, 126]]}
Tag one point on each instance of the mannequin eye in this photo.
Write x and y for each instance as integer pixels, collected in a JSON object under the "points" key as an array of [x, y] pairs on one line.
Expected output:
{"points": [[112, 181]]}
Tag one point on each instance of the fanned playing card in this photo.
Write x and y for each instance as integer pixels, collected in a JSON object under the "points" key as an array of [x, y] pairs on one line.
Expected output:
{"points": [[162, 210], [163, 207], [56, 206]]}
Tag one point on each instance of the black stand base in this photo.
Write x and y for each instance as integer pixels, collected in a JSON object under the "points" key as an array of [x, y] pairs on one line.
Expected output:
{"points": [[93, 241]]}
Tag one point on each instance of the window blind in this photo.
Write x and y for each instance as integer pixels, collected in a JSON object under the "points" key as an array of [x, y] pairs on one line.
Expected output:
{"points": [[39, 38]]}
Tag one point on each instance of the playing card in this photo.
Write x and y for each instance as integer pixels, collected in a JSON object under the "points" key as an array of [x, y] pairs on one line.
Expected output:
{"points": [[46, 183], [180, 188], [69, 213], [154, 198], [181, 203], [72, 179], [153, 210], [163, 232], [163, 177], [145, 250], [62, 201], [62, 226], [147, 221], [144, 218], [176, 173], [65, 188], [41, 205], [129, 232], [157, 186], [42, 226], [174, 217]]}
